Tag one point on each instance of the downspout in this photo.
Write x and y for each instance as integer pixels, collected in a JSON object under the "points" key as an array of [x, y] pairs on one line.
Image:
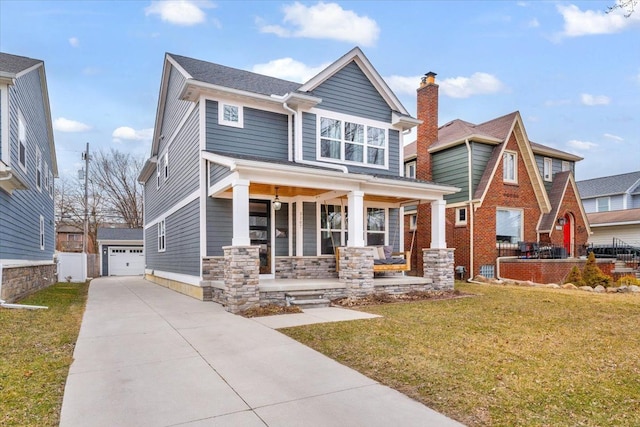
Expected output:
{"points": [[298, 147], [8, 177], [471, 208]]}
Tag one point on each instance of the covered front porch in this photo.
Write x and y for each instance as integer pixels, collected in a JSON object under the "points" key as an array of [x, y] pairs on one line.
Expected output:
{"points": [[280, 224]]}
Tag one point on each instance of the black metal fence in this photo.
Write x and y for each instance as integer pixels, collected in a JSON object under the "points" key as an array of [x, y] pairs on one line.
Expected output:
{"points": [[617, 249], [533, 250]]}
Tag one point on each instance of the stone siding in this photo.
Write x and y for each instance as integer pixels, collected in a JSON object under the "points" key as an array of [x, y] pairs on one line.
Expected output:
{"points": [[241, 277], [213, 268], [306, 267], [356, 271], [21, 281], [438, 267], [278, 297]]}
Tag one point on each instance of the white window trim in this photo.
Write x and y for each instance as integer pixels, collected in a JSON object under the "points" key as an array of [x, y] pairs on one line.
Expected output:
{"points": [[162, 233], [320, 114], [221, 119], [458, 221], [608, 199], [41, 233], [39, 169], [504, 208], [343, 224], [366, 223], [413, 222], [158, 174], [407, 167], [547, 163], [165, 165], [51, 187], [22, 140], [515, 167]]}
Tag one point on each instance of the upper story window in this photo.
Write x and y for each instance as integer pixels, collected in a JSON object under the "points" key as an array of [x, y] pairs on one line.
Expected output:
{"points": [[510, 167], [230, 115], [508, 225], [41, 233], [352, 142], [22, 142], [165, 165], [158, 174], [38, 169], [566, 166], [603, 204], [410, 169], [51, 184], [547, 169], [461, 216]]}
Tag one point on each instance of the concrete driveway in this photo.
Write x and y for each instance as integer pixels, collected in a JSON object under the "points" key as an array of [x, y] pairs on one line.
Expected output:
{"points": [[148, 356]]}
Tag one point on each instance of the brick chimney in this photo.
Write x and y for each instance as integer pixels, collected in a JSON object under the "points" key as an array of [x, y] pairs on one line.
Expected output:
{"points": [[428, 130]]}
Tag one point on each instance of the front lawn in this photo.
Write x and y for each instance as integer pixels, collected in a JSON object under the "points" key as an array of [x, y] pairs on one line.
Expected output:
{"points": [[508, 356], [36, 351]]}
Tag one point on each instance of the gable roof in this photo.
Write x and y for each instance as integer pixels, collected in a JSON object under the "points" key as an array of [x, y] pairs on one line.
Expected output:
{"points": [[608, 185], [13, 67], [120, 234], [561, 182]]}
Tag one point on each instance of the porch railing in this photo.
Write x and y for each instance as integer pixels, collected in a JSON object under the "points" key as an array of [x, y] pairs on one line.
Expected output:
{"points": [[533, 250], [618, 250]]}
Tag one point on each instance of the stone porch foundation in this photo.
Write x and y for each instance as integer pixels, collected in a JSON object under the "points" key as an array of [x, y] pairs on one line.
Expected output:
{"points": [[356, 271], [20, 281], [438, 267], [241, 277]]}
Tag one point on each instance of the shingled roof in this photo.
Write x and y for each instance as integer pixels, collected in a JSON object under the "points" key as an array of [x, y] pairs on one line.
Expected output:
{"points": [[120, 234], [221, 75], [13, 64], [609, 185]]}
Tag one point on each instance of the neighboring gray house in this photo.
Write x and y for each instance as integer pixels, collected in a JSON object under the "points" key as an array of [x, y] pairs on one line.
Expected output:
{"points": [[121, 251], [251, 178], [612, 204], [27, 170]]}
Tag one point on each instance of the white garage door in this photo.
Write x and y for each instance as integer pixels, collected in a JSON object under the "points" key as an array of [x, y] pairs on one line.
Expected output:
{"points": [[126, 261]]}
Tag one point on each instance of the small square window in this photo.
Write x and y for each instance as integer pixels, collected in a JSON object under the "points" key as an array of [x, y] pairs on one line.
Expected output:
{"points": [[410, 170], [566, 166], [510, 167], [413, 222], [603, 204], [230, 115], [461, 216]]}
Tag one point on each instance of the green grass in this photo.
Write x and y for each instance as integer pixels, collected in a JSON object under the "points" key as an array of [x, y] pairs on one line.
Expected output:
{"points": [[36, 350], [508, 356]]}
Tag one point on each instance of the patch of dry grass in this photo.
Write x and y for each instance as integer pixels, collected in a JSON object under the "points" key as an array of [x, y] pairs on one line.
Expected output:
{"points": [[35, 354], [509, 356]]}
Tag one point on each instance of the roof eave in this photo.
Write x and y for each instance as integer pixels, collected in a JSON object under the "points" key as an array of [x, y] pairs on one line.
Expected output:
{"points": [[471, 138]]}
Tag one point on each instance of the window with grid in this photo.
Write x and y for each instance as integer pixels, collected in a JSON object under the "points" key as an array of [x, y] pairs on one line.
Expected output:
{"points": [[510, 167], [161, 236], [333, 228], [352, 142], [376, 226]]}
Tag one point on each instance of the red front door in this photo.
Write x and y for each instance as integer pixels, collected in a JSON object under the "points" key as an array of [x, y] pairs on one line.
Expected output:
{"points": [[567, 234]]}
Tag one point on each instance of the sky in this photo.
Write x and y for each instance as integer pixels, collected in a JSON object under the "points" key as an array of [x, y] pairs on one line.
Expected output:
{"points": [[571, 69]]}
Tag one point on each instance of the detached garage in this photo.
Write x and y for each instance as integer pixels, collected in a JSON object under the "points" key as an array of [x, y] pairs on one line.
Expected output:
{"points": [[121, 251]]}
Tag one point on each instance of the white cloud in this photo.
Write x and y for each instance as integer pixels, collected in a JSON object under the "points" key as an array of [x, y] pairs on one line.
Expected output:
{"points": [[180, 12], [403, 84], [65, 125], [582, 145], [591, 100], [534, 23], [477, 84], [614, 137], [128, 133], [580, 23], [288, 69], [557, 102], [74, 42], [324, 21]]}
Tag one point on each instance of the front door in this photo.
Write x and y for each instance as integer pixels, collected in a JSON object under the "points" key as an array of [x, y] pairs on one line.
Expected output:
{"points": [[260, 231], [567, 229]]}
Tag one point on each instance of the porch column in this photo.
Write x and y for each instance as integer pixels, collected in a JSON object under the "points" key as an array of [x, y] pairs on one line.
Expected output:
{"points": [[356, 219], [240, 213], [241, 277], [438, 221]]}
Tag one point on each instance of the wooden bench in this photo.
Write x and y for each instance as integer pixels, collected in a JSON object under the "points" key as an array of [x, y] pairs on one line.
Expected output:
{"points": [[380, 267]]}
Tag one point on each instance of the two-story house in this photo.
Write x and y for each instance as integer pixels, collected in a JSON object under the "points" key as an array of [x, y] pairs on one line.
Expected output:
{"points": [[516, 194], [253, 178], [612, 204], [27, 170]]}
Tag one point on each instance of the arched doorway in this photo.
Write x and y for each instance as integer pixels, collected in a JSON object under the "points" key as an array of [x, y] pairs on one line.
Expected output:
{"points": [[568, 233]]}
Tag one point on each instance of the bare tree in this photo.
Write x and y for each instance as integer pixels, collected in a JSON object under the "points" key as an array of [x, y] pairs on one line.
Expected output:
{"points": [[115, 174], [628, 6]]}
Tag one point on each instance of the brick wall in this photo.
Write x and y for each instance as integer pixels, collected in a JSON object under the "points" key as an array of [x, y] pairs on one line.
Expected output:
{"points": [[546, 271], [571, 206], [20, 282]]}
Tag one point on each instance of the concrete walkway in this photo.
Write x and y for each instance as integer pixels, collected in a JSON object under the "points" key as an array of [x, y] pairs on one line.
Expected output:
{"points": [[148, 356]]}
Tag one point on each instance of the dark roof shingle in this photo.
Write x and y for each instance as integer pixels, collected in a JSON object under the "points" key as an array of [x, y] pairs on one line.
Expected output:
{"points": [[607, 185], [13, 64], [120, 233]]}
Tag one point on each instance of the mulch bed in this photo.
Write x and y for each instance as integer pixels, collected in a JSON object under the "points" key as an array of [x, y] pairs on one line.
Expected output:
{"points": [[382, 298], [269, 310]]}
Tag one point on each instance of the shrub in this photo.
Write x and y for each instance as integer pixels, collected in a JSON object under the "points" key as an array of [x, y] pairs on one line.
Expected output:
{"points": [[628, 280], [592, 275], [575, 277]]}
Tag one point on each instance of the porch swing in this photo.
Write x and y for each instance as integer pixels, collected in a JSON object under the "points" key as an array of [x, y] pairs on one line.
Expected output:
{"points": [[383, 260]]}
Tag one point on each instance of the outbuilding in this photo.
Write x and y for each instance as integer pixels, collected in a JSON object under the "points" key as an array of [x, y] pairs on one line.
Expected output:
{"points": [[121, 251]]}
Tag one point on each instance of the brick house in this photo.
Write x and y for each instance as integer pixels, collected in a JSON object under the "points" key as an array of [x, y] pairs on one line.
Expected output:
{"points": [[516, 194]]}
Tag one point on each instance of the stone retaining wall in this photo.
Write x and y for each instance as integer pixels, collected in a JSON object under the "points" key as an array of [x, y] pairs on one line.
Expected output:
{"points": [[21, 281], [306, 267]]}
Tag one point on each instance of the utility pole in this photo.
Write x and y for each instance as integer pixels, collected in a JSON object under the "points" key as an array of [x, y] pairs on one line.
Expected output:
{"points": [[85, 157]]}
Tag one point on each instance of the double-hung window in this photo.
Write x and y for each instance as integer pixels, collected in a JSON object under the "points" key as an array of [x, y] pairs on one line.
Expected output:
{"points": [[410, 169], [603, 204], [376, 226], [508, 225], [547, 169], [352, 142], [161, 236], [333, 228], [461, 216], [510, 167]]}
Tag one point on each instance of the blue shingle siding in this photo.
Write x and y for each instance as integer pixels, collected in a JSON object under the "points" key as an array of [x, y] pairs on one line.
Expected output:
{"points": [[349, 91], [219, 225], [282, 224], [394, 228], [218, 172], [309, 136], [451, 166], [635, 202], [294, 228], [264, 134], [20, 212], [184, 175], [182, 234], [310, 247], [174, 108]]}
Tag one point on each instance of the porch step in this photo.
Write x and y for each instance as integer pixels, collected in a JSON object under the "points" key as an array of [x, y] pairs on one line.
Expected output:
{"points": [[307, 299]]}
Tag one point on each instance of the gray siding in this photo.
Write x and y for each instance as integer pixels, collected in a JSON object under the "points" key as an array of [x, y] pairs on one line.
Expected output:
{"points": [[310, 247], [635, 202], [293, 228], [282, 224], [219, 225], [349, 91], [217, 172], [451, 167], [20, 212], [184, 174], [556, 166], [394, 228], [174, 108], [265, 134], [182, 236], [309, 142]]}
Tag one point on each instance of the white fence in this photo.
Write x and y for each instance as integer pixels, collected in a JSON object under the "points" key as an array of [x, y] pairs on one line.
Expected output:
{"points": [[72, 267]]}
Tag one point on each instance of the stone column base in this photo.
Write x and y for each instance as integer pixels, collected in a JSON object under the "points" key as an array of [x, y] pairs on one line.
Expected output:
{"points": [[437, 265], [356, 271], [241, 277]]}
